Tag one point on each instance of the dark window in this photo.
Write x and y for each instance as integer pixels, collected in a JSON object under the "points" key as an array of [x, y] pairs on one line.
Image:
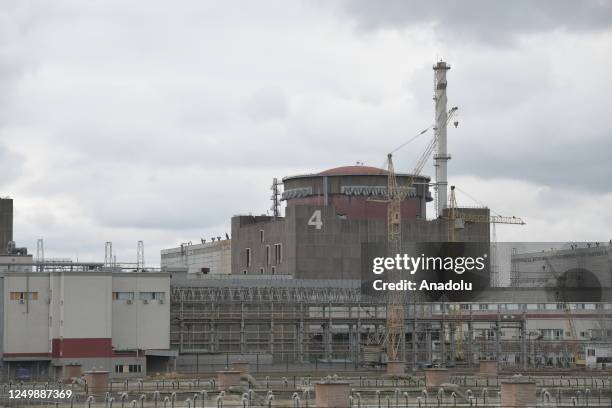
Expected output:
{"points": [[278, 253]]}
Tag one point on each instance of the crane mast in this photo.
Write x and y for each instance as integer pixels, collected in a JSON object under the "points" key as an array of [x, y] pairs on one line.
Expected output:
{"points": [[395, 302]]}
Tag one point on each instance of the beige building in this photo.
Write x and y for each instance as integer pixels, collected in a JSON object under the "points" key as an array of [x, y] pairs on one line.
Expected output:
{"points": [[66, 313], [205, 258]]}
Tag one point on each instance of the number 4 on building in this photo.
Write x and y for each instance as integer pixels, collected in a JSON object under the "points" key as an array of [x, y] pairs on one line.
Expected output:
{"points": [[315, 220]]}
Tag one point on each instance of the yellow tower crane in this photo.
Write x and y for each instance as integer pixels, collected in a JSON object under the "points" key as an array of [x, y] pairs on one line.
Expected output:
{"points": [[457, 219], [396, 304]]}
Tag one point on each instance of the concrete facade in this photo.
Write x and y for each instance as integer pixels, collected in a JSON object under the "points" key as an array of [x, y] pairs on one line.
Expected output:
{"points": [[357, 192], [209, 258], [101, 319], [329, 248], [546, 268]]}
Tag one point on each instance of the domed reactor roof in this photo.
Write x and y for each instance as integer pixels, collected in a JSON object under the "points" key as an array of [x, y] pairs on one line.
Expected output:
{"points": [[357, 191], [353, 170]]}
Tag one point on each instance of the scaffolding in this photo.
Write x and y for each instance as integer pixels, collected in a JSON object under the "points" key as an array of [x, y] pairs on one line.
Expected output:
{"points": [[301, 325]]}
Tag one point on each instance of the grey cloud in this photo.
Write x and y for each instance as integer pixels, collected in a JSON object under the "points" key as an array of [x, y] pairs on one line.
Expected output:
{"points": [[577, 165], [483, 20], [163, 134], [268, 103], [12, 166]]}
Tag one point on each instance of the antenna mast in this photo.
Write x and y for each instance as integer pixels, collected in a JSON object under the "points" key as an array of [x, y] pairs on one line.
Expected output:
{"points": [[275, 198]]}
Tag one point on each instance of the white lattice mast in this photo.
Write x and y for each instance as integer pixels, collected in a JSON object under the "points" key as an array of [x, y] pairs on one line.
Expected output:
{"points": [[108, 254], [441, 157], [140, 260], [40, 254], [275, 198]]}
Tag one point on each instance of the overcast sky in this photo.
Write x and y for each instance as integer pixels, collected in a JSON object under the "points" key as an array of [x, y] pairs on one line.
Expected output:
{"points": [[157, 120]]}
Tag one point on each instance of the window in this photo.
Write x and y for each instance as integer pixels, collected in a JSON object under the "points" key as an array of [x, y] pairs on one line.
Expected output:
{"points": [[591, 352], [205, 271], [262, 271], [278, 253], [261, 236], [22, 296], [483, 306], [152, 295], [248, 257], [267, 254], [244, 272], [552, 334], [128, 368], [273, 270], [123, 295]]}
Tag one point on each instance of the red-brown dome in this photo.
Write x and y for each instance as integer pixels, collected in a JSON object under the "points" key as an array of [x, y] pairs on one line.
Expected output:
{"points": [[353, 170]]}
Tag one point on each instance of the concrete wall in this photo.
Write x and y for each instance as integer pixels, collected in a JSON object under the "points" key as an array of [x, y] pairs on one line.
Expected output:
{"points": [[216, 256], [28, 320], [74, 314], [84, 305], [543, 268], [6, 223], [414, 205], [246, 234], [142, 324], [331, 250]]}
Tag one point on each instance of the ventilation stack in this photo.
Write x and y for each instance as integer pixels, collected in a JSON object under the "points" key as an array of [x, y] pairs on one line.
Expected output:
{"points": [[441, 157]]}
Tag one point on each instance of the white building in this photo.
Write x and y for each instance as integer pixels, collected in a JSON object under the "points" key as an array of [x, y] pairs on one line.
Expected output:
{"points": [[207, 258], [66, 313]]}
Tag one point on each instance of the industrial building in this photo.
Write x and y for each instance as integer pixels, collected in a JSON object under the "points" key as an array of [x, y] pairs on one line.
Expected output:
{"points": [[294, 296], [328, 217], [590, 262], [283, 292], [282, 321], [202, 258], [59, 313]]}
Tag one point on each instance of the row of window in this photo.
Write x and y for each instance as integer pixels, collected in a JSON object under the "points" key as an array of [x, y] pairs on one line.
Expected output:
{"points": [[528, 306], [278, 256], [128, 368], [22, 296], [148, 296]]}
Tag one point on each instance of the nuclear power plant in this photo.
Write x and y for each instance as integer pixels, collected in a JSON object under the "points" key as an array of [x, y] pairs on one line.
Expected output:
{"points": [[273, 313]]}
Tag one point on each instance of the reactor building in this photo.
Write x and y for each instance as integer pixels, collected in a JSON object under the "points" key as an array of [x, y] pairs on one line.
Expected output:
{"points": [[328, 217]]}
